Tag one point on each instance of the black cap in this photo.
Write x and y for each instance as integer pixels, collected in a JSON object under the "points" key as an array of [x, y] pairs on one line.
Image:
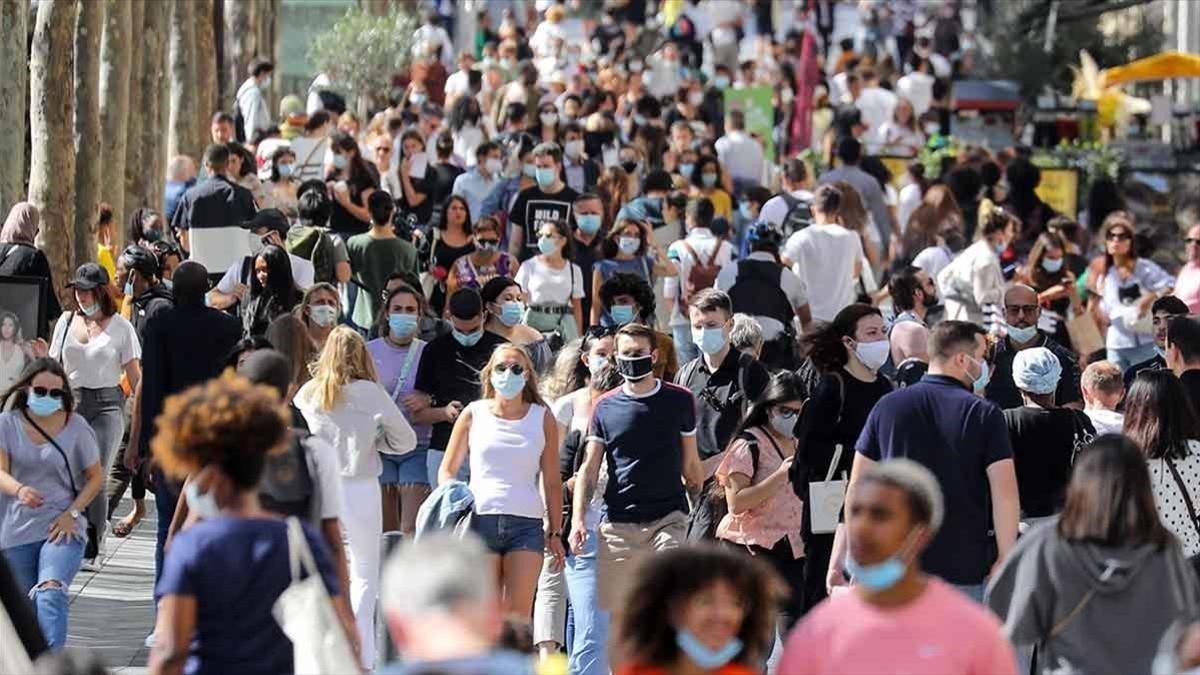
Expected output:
{"points": [[140, 259], [271, 219], [89, 277], [269, 367], [466, 304], [657, 181]]}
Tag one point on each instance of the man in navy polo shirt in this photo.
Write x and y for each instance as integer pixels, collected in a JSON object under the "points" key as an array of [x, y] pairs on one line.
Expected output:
{"points": [[646, 430], [959, 436]]}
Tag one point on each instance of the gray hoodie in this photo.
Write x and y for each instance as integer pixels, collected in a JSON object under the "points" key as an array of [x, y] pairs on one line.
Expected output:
{"points": [[1090, 608]]}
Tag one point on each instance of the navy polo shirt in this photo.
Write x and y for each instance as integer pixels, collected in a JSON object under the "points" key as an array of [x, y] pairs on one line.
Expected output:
{"points": [[957, 435]]}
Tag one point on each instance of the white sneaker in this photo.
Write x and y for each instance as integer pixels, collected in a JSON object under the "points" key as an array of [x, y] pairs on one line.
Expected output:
{"points": [[149, 641]]}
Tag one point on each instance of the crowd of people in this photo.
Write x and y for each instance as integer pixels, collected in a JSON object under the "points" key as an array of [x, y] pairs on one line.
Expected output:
{"points": [[636, 395]]}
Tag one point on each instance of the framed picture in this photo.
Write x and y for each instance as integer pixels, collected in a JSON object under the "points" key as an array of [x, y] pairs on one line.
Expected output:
{"points": [[23, 307]]}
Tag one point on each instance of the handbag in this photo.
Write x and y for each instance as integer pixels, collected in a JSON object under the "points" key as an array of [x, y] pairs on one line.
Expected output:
{"points": [[305, 613], [825, 497], [1084, 333], [1194, 560]]}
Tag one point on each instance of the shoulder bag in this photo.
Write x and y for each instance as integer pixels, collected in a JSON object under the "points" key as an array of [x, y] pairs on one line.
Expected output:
{"points": [[1194, 560]]}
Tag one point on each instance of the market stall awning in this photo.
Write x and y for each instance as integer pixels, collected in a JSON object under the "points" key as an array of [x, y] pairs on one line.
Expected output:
{"points": [[1158, 67]]}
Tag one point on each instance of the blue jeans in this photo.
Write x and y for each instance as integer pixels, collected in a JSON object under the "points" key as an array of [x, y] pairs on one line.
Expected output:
{"points": [[166, 495], [685, 349], [1130, 356], [973, 591], [503, 533], [589, 640], [38, 563]]}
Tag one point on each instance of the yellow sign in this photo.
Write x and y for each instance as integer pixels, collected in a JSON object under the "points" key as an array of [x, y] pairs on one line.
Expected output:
{"points": [[898, 167], [1059, 188]]}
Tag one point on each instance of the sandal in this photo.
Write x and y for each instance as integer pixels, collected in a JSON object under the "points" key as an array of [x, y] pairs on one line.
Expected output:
{"points": [[124, 527]]}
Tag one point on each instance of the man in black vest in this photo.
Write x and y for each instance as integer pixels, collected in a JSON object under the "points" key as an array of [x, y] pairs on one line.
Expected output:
{"points": [[763, 288]]}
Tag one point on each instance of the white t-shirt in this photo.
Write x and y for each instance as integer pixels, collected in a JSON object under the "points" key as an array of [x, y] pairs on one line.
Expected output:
{"points": [[99, 362], [457, 84], [910, 199], [312, 156], [740, 155], [824, 255], [933, 260], [776, 208], [544, 285], [877, 105], [917, 87], [303, 273], [703, 242]]}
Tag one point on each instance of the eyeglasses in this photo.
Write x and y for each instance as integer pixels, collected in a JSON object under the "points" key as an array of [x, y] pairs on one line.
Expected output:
{"points": [[1119, 236], [1191, 241], [514, 368], [52, 393], [1021, 309]]}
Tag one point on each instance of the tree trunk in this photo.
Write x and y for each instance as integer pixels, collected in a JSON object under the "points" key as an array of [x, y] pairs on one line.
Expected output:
{"points": [[51, 120], [115, 48], [153, 127], [182, 127], [239, 42], [133, 121], [89, 24], [267, 19], [223, 95], [375, 7], [14, 62], [206, 74]]}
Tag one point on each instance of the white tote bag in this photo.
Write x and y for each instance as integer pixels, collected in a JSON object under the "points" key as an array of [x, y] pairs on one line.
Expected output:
{"points": [[305, 613], [13, 658], [825, 497]]}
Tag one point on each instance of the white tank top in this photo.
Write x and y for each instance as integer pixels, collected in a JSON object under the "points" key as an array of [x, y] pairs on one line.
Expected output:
{"points": [[505, 460]]}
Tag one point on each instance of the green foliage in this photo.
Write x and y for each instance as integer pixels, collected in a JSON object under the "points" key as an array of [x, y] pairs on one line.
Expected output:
{"points": [[937, 149], [1093, 160], [361, 53]]}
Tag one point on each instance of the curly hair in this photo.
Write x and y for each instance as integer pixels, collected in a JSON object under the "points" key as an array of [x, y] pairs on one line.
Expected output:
{"points": [[663, 583], [227, 422]]}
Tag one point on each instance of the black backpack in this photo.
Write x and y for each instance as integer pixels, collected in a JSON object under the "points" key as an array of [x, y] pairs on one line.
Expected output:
{"points": [[287, 487], [799, 215]]}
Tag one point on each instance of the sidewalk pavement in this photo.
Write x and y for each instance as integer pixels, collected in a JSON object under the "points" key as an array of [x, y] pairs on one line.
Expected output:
{"points": [[112, 610]]}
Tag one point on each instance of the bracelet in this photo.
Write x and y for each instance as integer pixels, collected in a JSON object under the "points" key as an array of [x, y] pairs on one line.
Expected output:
{"points": [[17, 492]]}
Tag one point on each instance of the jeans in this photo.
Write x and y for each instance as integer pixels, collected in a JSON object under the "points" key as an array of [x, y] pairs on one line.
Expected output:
{"points": [[37, 563], [104, 409], [1130, 356], [685, 349], [973, 591], [588, 655], [362, 523], [166, 495]]}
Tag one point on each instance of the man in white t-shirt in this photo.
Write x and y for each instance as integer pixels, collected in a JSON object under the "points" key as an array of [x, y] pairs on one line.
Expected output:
{"points": [[876, 103], [917, 87], [271, 226], [699, 247], [738, 153], [458, 83], [827, 256], [795, 186]]}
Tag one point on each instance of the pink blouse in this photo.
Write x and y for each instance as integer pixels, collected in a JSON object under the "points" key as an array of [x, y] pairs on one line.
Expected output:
{"points": [[777, 517]]}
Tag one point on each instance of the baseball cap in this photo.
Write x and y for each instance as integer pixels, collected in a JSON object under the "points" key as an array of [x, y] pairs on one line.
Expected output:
{"points": [[271, 219], [88, 277]]}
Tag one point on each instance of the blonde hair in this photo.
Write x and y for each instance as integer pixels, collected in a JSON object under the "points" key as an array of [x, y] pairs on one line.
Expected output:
{"points": [[344, 359], [530, 393], [320, 286]]}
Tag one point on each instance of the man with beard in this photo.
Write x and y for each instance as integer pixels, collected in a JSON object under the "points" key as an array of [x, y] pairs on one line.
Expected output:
{"points": [[913, 294], [1021, 314]]}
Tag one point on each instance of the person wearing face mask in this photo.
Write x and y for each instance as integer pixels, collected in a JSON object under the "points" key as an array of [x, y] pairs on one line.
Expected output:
{"points": [[320, 310], [549, 199], [847, 353], [699, 256], [279, 192], [586, 239], [480, 179], [646, 432], [629, 248], [397, 354], [49, 472], [1022, 313], [707, 182], [376, 254], [894, 512], [973, 283], [581, 171], [96, 347], [764, 514], [547, 128], [553, 284], [627, 299], [697, 610], [345, 405], [1049, 273], [251, 102], [963, 440], [449, 370], [506, 308], [510, 438], [1045, 437], [351, 182]]}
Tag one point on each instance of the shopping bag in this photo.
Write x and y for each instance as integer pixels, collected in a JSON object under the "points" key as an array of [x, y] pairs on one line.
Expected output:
{"points": [[1085, 334], [825, 498], [305, 613]]}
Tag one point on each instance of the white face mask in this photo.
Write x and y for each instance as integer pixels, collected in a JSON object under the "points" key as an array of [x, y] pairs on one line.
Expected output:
{"points": [[493, 166], [873, 354], [573, 149]]}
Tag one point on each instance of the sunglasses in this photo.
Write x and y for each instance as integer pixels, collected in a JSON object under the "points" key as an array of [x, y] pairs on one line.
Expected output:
{"points": [[488, 242], [1191, 241], [52, 393], [514, 368], [1119, 236], [1021, 309], [597, 332]]}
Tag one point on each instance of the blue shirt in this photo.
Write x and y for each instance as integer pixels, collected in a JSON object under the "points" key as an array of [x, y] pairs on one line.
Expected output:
{"points": [[957, 435], [473, 187], [642, 437], [236, 568]]}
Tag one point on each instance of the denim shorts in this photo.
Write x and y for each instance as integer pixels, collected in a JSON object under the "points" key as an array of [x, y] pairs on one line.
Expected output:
{"points": [[503, 533], [406, 469]]}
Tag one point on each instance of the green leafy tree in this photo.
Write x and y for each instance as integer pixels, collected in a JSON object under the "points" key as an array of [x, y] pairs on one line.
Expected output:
{"points": [[361, 52]]}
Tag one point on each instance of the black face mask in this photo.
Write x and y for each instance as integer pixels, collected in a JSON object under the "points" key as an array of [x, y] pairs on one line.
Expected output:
{"points": [[630, 167], [930, 301], [635, 368]]}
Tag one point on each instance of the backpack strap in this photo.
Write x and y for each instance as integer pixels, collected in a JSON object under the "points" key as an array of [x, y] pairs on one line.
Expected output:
{"points": [[841, 395]]}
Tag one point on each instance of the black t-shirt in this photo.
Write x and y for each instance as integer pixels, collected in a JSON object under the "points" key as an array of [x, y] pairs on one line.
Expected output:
{"points": [[421, 213], [341, 220], [720, 400], [533, 206], [586, 255], [450, 372], [1043, 443], [441, 183]]}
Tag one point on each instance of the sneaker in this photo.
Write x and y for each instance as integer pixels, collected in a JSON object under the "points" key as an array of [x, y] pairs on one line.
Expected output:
{"points": [[90, 565], [149, 641]]}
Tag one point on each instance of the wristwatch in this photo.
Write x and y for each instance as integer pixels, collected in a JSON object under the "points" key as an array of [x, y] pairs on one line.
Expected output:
{"points": [[74, 513]]}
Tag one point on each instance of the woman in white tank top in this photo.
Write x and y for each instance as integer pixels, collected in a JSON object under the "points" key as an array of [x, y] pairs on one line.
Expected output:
{"points": [[512, 443]]}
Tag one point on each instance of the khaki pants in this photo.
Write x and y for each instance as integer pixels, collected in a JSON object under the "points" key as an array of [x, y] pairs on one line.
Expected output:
{"points": [[622, 545]]}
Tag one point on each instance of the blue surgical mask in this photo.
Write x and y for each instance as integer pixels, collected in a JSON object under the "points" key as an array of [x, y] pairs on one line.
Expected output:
{"points": [[129, 288], [1001, 247], [340, 162], [547, 245], [589, 223], [784, 425], [89, 310], [44, 406], [511, 313], [323, 315], [1052, 265], [266, 83], [417, 97], [744, 209], [467, 339], [1021, 335], [709, 340], [402, 325], [507, 384], [704, 657], [285, 170], [878, 577], [685, 170], [709, 179], [628, 245], [595, 364], [202, 504], [721, 82], [545, 176], [530, 170], [621, 314], [980, 383]]}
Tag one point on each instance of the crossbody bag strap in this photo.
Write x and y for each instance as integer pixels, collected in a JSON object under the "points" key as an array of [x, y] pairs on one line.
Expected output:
{"points": [[1187, 499], [414, 348], [62, 344], [50, 439]]}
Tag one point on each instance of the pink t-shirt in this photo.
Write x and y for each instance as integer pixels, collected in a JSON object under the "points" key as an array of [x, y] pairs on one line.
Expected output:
{"points": [[1187, 287], [942, 632]]}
